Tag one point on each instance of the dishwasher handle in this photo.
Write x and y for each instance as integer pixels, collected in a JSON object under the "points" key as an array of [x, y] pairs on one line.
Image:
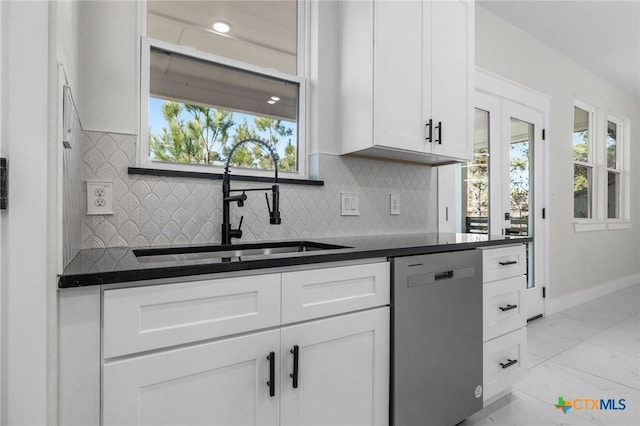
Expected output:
{"points": [[423, 277], [443, 275]]}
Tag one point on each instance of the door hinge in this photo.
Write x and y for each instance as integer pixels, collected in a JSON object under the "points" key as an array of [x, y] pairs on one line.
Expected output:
{"points": [[544, 292], [544, 134], [3, 183], [544, 212]]}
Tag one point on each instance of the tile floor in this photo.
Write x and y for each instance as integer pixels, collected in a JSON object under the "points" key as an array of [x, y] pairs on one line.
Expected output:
{"points": [[589, 351]]}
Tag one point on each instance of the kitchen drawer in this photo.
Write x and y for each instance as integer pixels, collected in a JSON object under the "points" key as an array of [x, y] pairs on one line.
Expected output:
{"points": [[144, 318], [503, 310], [505, 362], [322, 292], [503, 262]]}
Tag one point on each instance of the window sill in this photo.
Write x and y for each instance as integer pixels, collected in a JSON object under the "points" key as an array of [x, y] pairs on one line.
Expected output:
{"points": [[599, 225], [218, 176]]}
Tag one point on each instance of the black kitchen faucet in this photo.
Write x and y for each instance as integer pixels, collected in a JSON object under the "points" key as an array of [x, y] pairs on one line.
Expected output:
{"points": [[227, 198]]}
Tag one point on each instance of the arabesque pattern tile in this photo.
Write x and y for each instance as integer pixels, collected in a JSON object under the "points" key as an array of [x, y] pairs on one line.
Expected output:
{"points": [[152, 211]]}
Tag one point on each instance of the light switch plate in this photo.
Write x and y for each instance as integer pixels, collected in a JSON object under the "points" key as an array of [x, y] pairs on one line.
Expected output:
{"points": [[99, 197], [394, 204], [349, 204]]}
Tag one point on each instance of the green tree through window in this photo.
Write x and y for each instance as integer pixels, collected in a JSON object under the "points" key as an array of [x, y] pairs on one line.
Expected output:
{"points": [[201, 135]]}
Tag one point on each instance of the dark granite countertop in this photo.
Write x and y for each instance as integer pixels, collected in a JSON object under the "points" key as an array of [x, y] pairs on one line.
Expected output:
{"points": [[120, 264]]}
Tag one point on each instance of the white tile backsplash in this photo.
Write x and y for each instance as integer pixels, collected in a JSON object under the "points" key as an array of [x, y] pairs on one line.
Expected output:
{"points": [[151, 211]]}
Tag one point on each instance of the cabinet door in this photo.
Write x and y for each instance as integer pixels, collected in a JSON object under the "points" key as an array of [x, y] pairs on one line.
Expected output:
{"points": [[399, 75], [452, 67], [343, 371], [505, 362], [218, 383]]}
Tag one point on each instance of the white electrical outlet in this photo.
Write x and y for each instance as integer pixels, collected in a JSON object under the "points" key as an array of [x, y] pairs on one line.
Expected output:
{"points": [[99, 197], [349, 204], [394, 204]]}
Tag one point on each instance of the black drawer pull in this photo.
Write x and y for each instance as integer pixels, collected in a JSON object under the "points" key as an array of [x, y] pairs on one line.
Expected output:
{"points": [[507, 308], [296, 353], [444, 275], [439, 127], [272, 373], [509, 364], [508, 262]]}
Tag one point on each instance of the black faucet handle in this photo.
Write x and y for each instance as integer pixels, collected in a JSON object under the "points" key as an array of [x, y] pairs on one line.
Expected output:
{"points": [[241, 201], [237, 233]]}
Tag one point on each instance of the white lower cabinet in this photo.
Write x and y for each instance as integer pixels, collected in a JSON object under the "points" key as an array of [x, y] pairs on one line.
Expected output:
{"points": [[504, 362], [504, 324], [343, 371], [342, 378], [218, 383], [201, 375]]}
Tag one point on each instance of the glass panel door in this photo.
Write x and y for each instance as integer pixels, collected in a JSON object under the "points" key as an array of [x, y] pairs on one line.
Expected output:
{"points": [[520, 159], [475, 180], [521, 186], [523, 183]]}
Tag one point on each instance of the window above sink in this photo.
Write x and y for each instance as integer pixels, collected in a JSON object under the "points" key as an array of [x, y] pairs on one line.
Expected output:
{"points": [[203, 90]]}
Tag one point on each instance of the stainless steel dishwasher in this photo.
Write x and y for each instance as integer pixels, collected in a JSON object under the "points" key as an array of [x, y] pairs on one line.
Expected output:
{"points": [[436, 311]]}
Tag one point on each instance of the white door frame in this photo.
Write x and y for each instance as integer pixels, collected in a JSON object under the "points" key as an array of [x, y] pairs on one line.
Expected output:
{"points": [[25, 282], [516, 94], [2, 154]]}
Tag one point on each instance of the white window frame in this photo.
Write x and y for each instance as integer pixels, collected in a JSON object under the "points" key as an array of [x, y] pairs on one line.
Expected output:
{"points": [[622, 169], [146, 43], [597, 159], [585, 223]]}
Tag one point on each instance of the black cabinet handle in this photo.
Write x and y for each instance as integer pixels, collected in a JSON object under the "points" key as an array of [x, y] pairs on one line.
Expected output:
{"points": [[296, 353], [509, 364], [439, 127], [272, 374], [430, 134], [508, 262], [507, 308]]}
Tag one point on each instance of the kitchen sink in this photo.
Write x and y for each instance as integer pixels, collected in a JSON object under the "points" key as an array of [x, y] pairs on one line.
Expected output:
{"points": [[228, 253]]}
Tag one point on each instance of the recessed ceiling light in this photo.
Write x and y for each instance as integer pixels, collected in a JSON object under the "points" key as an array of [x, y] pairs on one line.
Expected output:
{"points": [[221, 27], [275, 98], [271, 101]]}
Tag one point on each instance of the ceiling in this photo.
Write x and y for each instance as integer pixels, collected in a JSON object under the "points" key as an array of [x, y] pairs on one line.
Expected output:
{"points": [[263, 33], [601, 35]]}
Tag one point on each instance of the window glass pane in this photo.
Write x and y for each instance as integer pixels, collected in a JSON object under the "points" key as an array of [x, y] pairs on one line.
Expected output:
{"points": [[262, 33], [580, 135], [475, 179], [612, 145], [198, 109], [582, 191], [613, 189], [520, 163]]}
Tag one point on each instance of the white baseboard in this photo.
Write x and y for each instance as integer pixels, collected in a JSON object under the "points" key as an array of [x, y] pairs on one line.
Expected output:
{"points": [[576, 298]]}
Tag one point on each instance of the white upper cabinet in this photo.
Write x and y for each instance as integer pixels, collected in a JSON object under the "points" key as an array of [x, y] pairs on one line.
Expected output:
{"points": [[406, 79]]}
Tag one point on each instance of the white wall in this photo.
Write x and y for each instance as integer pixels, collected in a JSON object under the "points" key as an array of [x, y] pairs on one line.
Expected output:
{"points": [[323, 78], [578, 261], [107, 58], [25, 237]]}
